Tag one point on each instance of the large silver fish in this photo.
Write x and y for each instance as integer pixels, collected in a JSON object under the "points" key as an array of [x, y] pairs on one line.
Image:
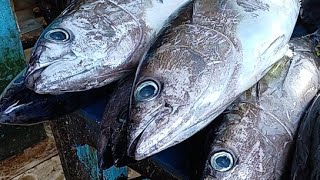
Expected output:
{"points": [[256, 138], [306, 157], [307, 151], [201, 68], [112, 142], [95, 42]]}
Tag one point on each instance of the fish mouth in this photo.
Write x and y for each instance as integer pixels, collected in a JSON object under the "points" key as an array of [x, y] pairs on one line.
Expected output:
{"points": [[165, 132], [42, 84], [145, 145], [32, 77]]}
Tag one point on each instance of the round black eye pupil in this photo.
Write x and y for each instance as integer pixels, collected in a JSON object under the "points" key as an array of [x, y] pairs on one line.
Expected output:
{"points": [[147, 91], [60, 36], [223, 161]]}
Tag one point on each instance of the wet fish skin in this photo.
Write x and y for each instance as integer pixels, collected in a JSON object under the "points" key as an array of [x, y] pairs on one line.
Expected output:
{"points": [[22, 106], [203, 66], [259, 131], [112, 139], [96, 42], [306, 157]]}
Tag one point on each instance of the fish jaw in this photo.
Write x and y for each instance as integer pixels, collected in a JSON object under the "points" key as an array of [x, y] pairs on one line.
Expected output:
{"points": [[167, 134], [56, 80]]}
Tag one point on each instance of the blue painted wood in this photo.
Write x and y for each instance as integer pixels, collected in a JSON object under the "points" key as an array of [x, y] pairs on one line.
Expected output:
{"points": [[88, 156], [12, 59]]}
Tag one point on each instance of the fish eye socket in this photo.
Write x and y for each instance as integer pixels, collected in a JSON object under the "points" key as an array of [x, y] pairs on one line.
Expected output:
{"points": [[222, 161], [57, 35], [147, 91]]}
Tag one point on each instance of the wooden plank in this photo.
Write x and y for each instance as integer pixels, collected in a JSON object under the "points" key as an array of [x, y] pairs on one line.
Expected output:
{"points": [[31, 157], [49, 169], [14, 139]]}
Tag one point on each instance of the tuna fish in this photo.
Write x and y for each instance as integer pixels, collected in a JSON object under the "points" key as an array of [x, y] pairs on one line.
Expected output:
{"points": [[112, 142], [202, 67], [257, 134], [20, 105], [307, 151], [96, 42]]}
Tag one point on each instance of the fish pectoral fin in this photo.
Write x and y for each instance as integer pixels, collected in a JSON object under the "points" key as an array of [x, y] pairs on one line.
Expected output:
{"points": [[105, 159]]}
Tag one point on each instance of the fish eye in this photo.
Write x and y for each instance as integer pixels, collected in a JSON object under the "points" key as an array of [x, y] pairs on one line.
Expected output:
{"points": [[222, 161], [147, 90], [57, 35]]}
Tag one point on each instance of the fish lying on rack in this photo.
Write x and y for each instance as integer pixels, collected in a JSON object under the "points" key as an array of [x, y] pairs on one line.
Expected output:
{"points": [[201, 68], [22, 106], [307, 151], [257, 135], [96, 42]]}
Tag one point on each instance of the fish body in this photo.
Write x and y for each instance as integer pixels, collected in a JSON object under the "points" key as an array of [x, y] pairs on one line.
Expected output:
{"points": [[22, 106], [202, 67], [306, 157], [96, 42], [257, 134], [112, 141]]}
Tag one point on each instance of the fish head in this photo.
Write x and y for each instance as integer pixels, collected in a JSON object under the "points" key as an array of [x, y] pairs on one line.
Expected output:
{"points": [[174, 88], [84, 48], [249, 144]]}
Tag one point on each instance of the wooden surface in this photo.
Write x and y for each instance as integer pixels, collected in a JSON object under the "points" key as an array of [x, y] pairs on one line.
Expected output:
{"points": [[37, 162]]}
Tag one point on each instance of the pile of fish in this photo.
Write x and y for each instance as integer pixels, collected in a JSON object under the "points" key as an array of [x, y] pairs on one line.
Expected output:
{"points": [[169, 68]]}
